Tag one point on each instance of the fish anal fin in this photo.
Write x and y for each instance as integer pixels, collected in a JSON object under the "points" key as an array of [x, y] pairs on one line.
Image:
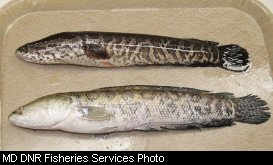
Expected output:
{"points": [[180, 126], [94, 113], [106, 64], [169, 127], [149, 127]]}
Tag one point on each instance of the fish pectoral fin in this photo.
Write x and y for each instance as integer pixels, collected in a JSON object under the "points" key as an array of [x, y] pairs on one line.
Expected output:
{"points": [[94, 113]]}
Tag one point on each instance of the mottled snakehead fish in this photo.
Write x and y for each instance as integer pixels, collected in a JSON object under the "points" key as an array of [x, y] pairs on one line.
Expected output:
{"points": [[119, 50], [128, 108]]}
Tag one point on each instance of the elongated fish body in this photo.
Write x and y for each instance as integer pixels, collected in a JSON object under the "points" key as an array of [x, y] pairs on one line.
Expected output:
{"points": [[119, 50], [129, 108]]}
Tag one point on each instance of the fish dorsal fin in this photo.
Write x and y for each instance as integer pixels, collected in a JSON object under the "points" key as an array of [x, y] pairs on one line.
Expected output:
{"points": [[94, 113], [225, 94], [203, 42], [193, 90], [150, 87]]}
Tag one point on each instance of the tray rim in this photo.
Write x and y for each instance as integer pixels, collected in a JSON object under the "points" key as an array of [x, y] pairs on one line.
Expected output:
{"points": [[254, 8]]}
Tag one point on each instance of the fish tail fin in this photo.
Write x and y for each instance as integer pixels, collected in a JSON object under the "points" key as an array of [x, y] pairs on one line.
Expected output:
{"points": [[233, 57], [251, 109]]}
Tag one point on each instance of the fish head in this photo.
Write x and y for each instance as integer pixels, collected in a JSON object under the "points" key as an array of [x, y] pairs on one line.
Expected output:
{"points": [[43, 113], [55, 49], [30, 53]]}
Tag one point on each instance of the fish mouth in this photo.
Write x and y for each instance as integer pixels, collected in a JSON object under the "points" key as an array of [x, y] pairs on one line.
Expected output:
{"points": [[21, 55], [16, 118], [21, 50], [13, 116]]}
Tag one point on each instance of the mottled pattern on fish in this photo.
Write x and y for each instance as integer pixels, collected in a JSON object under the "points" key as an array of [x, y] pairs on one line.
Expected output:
{"points": [[117, 50], [128, 108]]}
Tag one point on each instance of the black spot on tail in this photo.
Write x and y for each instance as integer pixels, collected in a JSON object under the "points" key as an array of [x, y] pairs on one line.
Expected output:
{"points": [[234, 57]]}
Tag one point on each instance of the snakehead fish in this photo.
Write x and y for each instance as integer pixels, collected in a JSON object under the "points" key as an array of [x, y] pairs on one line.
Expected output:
{"points": [[128, 108], [118, 50]]}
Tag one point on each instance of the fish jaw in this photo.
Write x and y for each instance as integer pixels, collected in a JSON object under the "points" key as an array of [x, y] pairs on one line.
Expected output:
{"points": [[44, 113], [14, 117]]}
